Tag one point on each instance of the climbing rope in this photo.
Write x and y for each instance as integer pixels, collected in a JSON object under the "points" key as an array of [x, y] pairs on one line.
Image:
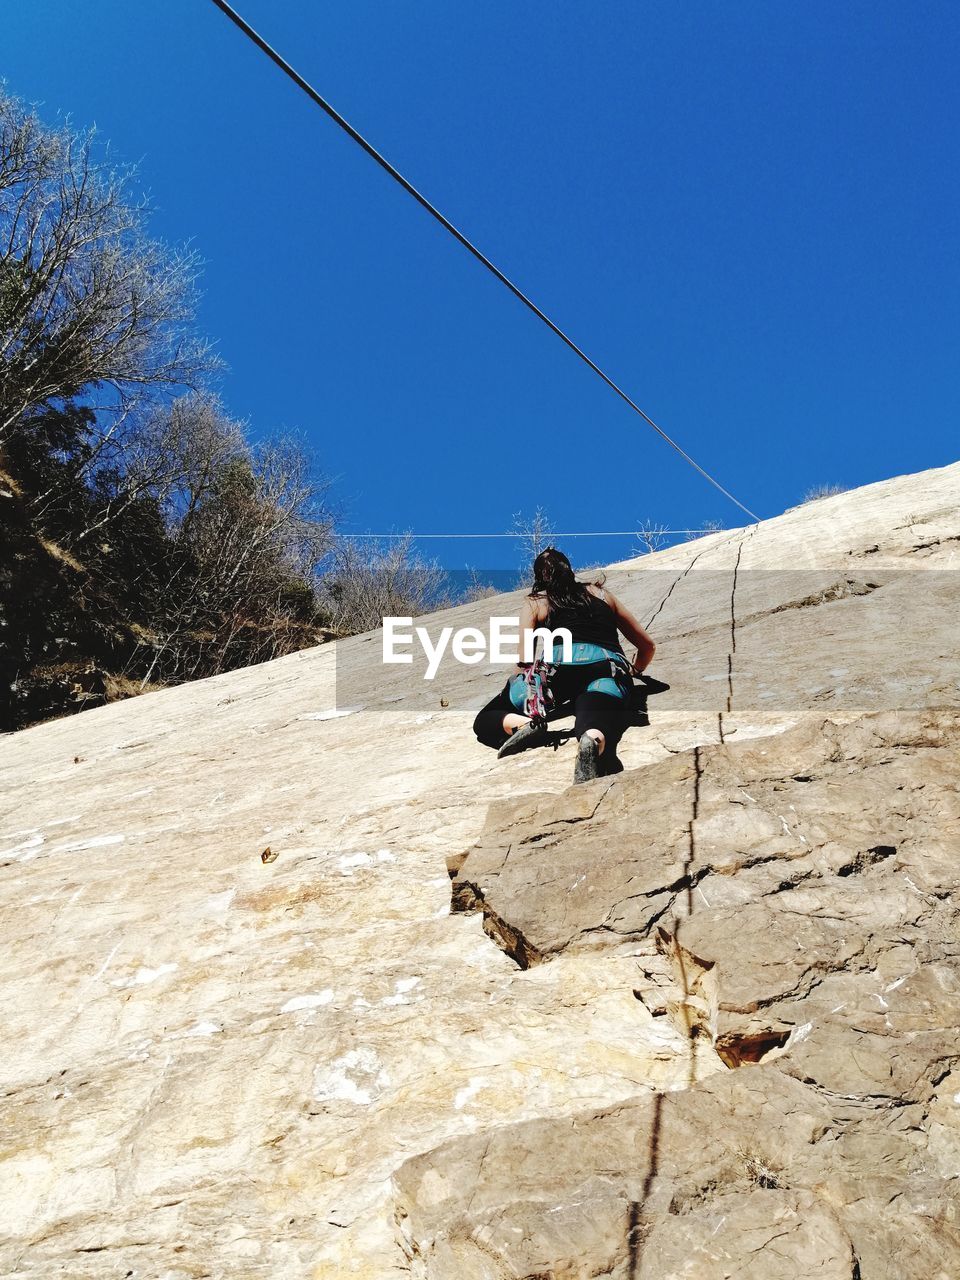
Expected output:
{"points": [[411, 190]]}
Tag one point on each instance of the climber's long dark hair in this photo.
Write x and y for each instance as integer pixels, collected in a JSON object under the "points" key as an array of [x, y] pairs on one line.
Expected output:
{"points": [[554, 578]]}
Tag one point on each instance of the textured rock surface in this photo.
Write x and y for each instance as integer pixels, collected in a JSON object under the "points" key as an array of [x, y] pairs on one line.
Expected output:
{"points": [[215, 1065], [803, 893], [749, 1174]]}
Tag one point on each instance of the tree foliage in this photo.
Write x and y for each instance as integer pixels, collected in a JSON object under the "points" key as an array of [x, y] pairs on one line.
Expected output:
{"points": [[366, 582], [87, 300], [143, 539]]}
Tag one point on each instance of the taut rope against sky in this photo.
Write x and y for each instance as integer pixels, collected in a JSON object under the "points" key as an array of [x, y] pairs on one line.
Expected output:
{"points": [[445, 222]]}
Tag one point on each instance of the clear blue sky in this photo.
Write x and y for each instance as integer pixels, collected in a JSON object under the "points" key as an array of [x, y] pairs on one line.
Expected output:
{"points": [[748, 213]]}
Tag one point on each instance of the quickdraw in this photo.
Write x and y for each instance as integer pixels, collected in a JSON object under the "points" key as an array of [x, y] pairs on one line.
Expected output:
{"points": [[539, 699]]}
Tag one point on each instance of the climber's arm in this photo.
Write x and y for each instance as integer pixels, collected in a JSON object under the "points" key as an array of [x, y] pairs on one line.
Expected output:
{"points": [[634, 632]]}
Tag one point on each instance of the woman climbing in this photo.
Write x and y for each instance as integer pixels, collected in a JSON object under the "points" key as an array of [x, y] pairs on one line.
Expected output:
{"points": [[596, 683]]}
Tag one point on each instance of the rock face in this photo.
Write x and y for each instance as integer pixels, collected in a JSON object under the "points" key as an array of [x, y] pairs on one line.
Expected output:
{"points": [[711, 1031], [803, 893], [751, 1174]]}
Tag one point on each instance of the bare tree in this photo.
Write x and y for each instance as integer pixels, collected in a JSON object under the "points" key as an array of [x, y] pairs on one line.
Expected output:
{"points": [[247, 528], [254, 542], [477, 589], [708, 527], [823, 491], [150, 537], [179, 452], [650, 537], [367, 582], [87, 302], [535, 534]]}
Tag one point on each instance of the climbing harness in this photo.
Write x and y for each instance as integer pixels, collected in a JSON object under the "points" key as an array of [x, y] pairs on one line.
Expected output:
{"points": [[540, 698]]}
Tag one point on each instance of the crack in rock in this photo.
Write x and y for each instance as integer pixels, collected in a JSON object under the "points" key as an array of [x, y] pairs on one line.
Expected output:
{"points": [[831, 994]]}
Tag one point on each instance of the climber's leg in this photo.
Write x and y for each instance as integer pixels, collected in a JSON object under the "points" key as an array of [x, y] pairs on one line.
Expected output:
{"points": [[588, 759], [602, 716], [497, 720], [501, 724], [600, 721], [528, 734]]}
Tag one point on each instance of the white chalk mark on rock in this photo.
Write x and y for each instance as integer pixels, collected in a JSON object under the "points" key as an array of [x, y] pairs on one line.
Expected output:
{"points": [[349, 863], [357, 1076], [468, 1092], [334, 713], [95, 842], [144, 976], [314, 1000], [26, 849], [401, 987]]}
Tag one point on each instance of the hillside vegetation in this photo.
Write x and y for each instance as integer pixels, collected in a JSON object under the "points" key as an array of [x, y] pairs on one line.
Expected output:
{"points": [[143, 538]]}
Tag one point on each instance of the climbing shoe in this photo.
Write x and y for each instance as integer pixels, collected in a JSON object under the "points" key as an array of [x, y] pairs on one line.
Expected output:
{"points": [[533, 734], [588, 760]]}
